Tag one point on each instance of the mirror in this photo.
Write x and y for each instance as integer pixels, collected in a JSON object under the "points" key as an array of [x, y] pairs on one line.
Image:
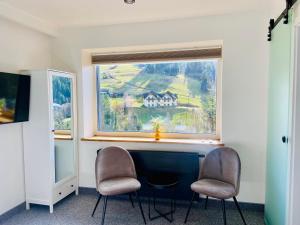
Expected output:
{"points": [[62, 108], [64, 159]]}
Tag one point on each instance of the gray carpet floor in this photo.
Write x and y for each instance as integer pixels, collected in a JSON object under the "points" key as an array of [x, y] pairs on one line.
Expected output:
{"points": [[76, 210]]}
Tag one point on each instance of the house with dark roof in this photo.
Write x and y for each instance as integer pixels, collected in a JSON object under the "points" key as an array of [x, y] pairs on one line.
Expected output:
{"points": [[154, 100]]}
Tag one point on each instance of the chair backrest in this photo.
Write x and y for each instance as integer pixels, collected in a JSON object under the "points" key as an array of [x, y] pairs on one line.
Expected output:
{"points": [[113, 162], [222, 164]]}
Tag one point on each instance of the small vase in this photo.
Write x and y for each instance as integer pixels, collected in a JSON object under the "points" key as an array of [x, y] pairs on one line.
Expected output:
{"points": [[157, 134]]}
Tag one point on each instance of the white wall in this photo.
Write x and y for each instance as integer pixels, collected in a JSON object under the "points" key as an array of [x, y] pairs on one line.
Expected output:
{"points": [[244, 83], [276, 8], [21, 48]]}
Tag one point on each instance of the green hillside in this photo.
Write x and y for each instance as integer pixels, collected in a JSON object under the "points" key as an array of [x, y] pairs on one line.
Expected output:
{"points": [[134, 80]]}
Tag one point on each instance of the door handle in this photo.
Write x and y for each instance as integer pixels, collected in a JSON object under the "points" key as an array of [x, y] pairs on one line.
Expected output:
{"points": [[284, 139]]}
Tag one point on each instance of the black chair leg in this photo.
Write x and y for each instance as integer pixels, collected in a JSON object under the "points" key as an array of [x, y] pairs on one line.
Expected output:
{"points": [[99, 198], [206, 200], [130, 197], [140, 205], [104, 209], [189, 209], [239, 209], [224, 211]]}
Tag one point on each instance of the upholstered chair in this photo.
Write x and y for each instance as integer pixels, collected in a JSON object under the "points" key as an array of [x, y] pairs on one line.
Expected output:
{"points": [[115, 175], [219, 178]]}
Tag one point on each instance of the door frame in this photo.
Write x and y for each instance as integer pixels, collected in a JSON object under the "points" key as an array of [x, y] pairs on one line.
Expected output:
{"points": [[294, 121]]}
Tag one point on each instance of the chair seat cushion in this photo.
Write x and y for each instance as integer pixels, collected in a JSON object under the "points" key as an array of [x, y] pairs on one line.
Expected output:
{"points": [[117, 186], [214, 188]]}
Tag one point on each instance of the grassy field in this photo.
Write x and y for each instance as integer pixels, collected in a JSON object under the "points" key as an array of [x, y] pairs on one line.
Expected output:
{"points": [[179, 119]]}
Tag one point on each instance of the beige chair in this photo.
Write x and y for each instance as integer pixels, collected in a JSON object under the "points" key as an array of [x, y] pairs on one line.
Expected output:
{"points": [[116, 175], [219, 178]]}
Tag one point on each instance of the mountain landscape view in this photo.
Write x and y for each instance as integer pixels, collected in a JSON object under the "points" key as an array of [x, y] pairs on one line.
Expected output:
{"points": [[181, 96]]}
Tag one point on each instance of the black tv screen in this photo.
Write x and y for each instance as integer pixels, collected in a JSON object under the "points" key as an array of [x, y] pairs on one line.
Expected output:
{"points": [[14, 98]]}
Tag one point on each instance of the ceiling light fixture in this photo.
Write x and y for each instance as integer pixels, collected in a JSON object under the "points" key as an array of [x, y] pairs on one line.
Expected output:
{"points": [[129, 1]]}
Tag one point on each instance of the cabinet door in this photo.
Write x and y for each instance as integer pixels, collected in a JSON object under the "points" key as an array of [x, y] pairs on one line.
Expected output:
{"points": [[62, 107], [278, 119]]}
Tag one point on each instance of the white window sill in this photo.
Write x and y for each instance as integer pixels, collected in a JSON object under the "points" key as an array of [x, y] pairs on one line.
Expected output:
{"points": [[216, 143]]}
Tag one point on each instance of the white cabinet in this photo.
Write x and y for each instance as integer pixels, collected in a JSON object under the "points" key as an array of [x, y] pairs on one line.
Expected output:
{"points": [[50, 153]]}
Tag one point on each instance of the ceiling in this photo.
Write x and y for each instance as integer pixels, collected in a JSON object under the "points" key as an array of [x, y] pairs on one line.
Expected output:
{"points": [[100, 12]]}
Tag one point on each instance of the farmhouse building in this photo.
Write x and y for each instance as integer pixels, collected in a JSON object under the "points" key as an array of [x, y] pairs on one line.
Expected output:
{"points": [[154, 100]]}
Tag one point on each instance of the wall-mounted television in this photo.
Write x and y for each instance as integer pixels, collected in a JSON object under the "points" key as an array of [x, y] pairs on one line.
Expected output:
{"points": [[14, 98]]}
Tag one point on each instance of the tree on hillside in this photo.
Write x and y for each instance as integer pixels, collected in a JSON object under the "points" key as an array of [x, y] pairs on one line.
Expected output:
{"points": [[169, 69], [197, 70], [61, 90], [210, 113], [204, 72]]}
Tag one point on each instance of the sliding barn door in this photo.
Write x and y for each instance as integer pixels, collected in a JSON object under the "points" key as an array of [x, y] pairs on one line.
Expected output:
{"points": [[278, 125]]}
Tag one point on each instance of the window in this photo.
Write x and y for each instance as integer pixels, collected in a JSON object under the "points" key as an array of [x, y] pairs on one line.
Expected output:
{"points": [[181, 95]]}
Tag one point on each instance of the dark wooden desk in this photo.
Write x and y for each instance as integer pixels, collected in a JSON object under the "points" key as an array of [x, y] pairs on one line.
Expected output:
{"points": [[185, 164]]}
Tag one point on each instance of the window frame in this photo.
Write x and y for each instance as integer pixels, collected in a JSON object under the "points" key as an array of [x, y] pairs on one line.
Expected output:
{"points": [[216, 136]]}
